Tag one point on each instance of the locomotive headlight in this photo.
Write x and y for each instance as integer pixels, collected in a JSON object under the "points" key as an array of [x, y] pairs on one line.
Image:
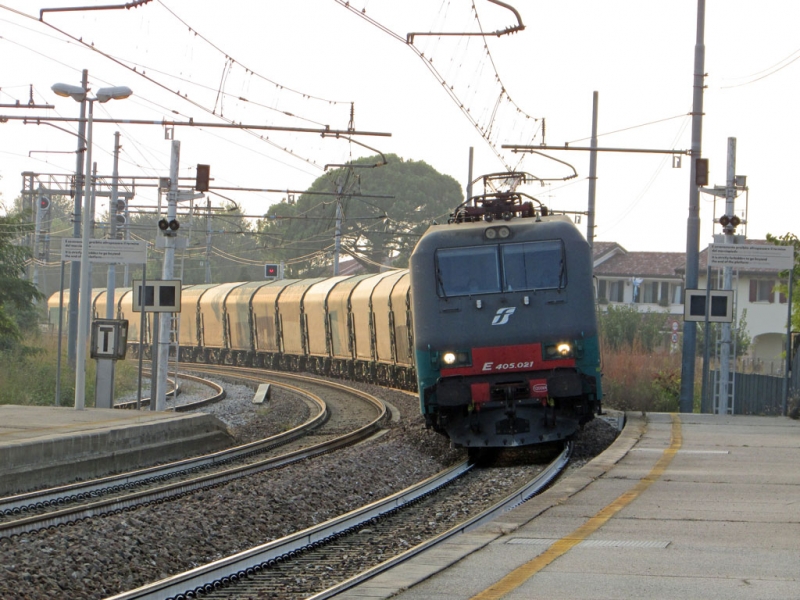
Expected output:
{"points": [[560, 350], [503, 232], [454, 359], [491, 233]]}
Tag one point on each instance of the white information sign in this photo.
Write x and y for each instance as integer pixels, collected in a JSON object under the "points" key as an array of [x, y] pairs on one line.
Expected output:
{"points": [[775, 258], [106, 251]]}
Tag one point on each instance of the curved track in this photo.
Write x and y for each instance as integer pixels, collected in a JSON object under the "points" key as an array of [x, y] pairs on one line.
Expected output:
{"points": [[317, 562], [56, 507]]}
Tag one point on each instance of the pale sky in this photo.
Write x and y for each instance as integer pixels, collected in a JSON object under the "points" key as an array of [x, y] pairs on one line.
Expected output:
{"points": [[312, 58]]}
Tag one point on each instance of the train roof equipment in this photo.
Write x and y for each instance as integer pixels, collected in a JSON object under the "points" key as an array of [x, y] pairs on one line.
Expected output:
{"points": [[500, 200]]}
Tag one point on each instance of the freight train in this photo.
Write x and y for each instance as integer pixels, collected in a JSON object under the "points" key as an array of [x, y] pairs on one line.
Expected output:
{"points": [[493, 325]]}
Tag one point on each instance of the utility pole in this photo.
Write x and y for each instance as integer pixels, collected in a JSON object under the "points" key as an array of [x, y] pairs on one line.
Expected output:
{"points": [[469, 172], [104, 380], [39, 212], [337, 244], [208, 240], [75, 268], [169, 264], [693, 221], [725, 385], [592, 174]]}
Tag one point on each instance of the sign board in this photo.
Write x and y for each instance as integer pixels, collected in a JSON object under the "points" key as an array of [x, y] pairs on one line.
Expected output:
{"points": [[159, 295], [106, 251], [181, 243], [721, 309], [749, 256], [109, 338]]}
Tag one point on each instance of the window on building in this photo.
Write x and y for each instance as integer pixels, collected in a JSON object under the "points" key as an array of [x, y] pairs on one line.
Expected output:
{"points": [[664, 296], [677, 297], [616, 290], [761, 290], [601, 289]]}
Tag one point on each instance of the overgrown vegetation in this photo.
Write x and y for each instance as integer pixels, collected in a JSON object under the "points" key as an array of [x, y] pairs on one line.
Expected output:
{"points": [[639, 372], [28, 375]]}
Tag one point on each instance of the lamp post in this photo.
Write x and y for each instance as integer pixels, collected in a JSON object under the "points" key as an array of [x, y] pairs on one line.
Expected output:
{"points": [[81, 94]]}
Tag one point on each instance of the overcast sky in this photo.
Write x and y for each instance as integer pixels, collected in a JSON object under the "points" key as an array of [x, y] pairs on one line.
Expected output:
{"points": [[301, 63]]}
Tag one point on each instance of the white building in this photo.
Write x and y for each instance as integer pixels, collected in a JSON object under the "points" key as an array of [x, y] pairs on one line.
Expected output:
{"points": [[654, 282]]}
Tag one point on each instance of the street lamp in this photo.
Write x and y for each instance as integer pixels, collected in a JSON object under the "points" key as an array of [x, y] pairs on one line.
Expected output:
{"points": [[81, 94]]}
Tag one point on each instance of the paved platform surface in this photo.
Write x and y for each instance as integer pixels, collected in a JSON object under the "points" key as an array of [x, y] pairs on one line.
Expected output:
{"points": [[52, 445], [680, 506]]}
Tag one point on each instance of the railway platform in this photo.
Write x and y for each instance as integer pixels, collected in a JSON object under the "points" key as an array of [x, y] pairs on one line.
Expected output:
{"points": [[680, 506], [43, 446]]}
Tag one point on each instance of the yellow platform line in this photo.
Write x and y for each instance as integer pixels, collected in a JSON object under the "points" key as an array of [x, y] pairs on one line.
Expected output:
{"points": [[521, 574]]}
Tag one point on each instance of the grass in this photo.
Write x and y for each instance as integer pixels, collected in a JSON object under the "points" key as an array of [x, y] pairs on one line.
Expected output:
{"points": [[632, 379], [637, 380], [28, 375]]}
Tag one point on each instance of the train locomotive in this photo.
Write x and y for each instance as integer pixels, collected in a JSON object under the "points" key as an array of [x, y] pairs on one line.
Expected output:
{"points": [[505, 330], [493, 325]]}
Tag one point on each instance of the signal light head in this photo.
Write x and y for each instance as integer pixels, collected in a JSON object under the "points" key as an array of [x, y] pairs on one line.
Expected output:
{"points": [[44, 203], [174, 225], [163, 224], [724, 220]]}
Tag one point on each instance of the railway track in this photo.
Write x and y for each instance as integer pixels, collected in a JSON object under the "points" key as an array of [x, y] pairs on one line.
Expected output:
{"points": [[330, 425], [322, 561]]}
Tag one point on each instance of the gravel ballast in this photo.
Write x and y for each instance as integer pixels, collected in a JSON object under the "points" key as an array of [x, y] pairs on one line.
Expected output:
{"points": [[108, 555]]}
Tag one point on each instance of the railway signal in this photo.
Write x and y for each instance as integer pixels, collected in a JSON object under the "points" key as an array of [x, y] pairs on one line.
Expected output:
{"points": [[271, 271]]}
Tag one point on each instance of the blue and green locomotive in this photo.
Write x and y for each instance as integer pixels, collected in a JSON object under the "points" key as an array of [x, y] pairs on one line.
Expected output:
{"points": [[505, 330]]}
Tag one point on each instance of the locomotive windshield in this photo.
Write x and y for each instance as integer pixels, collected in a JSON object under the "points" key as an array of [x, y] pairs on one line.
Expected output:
{"points": [[519, 267], [467, 271]]}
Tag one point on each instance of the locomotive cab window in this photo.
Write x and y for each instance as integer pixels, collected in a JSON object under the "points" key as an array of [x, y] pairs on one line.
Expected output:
{"points": [[506, 268], [534, 266], [467, 271]]}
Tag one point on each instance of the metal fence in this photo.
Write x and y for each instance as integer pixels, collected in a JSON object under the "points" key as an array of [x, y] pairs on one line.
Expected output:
{"points": [[756, 394]]}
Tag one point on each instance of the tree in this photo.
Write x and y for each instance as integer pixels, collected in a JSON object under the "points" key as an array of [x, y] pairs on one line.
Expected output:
{"points": [[624, 326], [741, 339], [374, 229], [17, 296], [790, 239]]}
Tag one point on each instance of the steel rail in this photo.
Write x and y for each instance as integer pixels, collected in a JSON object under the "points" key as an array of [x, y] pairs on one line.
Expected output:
{"points": [[179, 489], [281, 548], [526, 492], [21, 503], [239, 566]]}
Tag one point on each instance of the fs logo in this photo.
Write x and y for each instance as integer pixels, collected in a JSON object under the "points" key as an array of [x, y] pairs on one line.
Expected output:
{"points": [[502, 315]]}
